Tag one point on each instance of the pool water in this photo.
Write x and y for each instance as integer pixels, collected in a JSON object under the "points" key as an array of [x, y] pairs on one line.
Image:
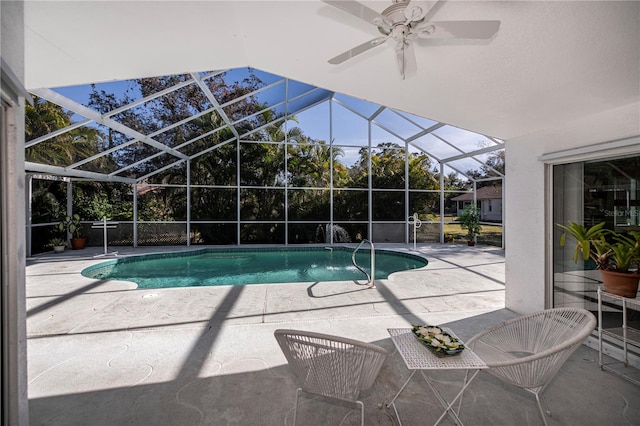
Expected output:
{"points": [[215, 267]]}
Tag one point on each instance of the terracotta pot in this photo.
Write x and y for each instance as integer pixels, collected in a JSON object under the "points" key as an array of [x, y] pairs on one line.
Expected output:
{"points": [[620, 284], [471, 243], [78, 243]]}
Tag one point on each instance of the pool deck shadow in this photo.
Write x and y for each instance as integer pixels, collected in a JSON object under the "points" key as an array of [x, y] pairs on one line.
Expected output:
{"points": [[107, 353]]}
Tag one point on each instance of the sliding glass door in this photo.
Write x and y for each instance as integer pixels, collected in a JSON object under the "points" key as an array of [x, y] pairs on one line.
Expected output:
{"points": [[589, 193]]}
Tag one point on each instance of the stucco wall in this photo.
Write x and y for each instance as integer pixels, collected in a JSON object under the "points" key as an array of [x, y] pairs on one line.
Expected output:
{"points": [[12, 36], [525, 209]]}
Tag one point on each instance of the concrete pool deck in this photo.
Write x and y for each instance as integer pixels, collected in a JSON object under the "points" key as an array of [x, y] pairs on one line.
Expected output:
{"points": [[106, 353]]}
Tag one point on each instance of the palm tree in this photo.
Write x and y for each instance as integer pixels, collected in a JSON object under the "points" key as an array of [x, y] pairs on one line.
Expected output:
{"points": [[63, 150]]}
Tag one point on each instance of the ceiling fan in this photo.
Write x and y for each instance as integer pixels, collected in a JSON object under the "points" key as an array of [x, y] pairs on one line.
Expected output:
{"points": [[405, 21]]}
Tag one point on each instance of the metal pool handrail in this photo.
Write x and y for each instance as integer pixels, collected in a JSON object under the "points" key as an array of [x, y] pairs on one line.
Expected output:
{"points": [[370, 278]]}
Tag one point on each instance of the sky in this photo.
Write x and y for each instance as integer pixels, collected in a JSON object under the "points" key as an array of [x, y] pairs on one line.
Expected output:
{"points": [[348, 127]]}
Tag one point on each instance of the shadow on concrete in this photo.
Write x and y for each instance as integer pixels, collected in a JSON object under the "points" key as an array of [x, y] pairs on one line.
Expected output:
{"points": [[65, 297], [580, 394]]}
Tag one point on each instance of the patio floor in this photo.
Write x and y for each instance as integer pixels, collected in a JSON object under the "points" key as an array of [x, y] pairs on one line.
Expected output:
{"points": [[106, 353]]}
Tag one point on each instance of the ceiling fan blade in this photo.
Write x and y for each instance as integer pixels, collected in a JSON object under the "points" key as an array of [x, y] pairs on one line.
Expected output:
{"points": [[358, 50], [418, 9], [359, 10], [458, 29], [406, 58]]}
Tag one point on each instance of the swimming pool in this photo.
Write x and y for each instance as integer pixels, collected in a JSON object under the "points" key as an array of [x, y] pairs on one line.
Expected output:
{"points": [[240, 266]]}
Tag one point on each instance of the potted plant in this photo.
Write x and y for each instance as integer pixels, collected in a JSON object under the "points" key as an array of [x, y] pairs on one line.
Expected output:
{"points": [[469, 219], [616, 256], [74, 227], [58, 244]]}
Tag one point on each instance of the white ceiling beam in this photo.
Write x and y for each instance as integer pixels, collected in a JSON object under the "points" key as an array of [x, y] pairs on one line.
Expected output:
{"points": [[303, 94], [212, 148], [63, 171], [309, 106], [464, 155], [359, 114], [455, 169], [71, 105], [102, 154], [482, 163], [284, 102], [269, 108], [214, 102], [377, 113], [58, 132], [148, 98], [385, 128], [257, 129], [448, 143], [204, 135], [181, 122], [137, 163], [196, 78], [488, 179], [406, 119], [162, 169], [425, 132], [472, 153], [494, 140], [215, 73], [245, 96]]}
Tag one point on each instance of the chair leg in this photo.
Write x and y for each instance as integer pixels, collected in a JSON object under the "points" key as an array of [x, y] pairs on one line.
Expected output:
{"points": [[361, 412], [295, 407], [541, 408]]}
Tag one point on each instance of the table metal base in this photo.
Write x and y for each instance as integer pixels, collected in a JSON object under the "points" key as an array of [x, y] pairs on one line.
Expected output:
{"points": [[418, 358], [448, 406]]}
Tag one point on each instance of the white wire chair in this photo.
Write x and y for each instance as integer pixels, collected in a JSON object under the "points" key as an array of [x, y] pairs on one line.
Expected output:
{"points": [[528, 351], [330, 366]]}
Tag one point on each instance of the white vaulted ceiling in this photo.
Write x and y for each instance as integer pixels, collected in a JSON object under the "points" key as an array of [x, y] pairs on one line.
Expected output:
{"points": [[549, 63]]}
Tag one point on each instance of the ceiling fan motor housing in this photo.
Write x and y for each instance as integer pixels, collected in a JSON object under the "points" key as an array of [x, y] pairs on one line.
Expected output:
{"points": [[395, 15]]}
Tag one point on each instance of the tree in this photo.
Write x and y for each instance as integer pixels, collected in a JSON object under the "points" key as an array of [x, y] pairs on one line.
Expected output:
{"points": [[44, 117], [494, 163], [387, 172], [49, 197], [309, 162], [453, 182], [274, 154], [104, 103]]}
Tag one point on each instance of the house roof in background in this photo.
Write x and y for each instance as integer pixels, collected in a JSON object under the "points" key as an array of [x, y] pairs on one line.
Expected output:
{"points": [[483, 193]]}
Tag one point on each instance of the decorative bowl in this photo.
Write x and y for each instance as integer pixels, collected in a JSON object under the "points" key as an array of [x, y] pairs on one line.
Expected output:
{"points": [[437, 340]]}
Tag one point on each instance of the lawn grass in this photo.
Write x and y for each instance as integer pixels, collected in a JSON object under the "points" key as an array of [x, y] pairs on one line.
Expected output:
{"points": [[430, 232]]}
